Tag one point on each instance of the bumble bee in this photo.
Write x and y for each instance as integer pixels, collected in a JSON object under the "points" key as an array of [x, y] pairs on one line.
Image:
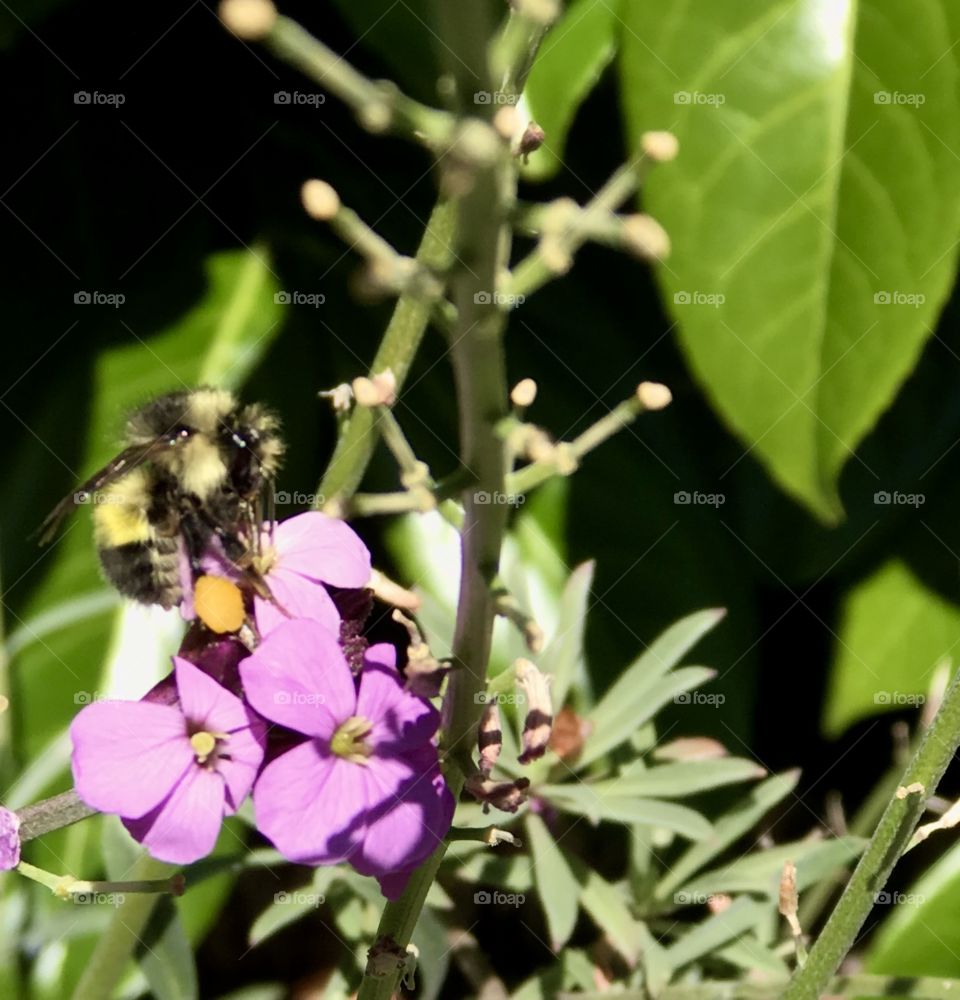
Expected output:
{"points": [[193, 470]]}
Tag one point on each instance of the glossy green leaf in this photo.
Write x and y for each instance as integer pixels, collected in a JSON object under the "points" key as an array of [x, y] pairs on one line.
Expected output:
{"points": [[574, 54], [893, 632], [921, 924], [810, 261], [732, 825], [601, 801], [556, 884]]}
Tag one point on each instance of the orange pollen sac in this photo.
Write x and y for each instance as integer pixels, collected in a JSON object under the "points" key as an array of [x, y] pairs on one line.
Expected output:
{"points": [[219, 604]]}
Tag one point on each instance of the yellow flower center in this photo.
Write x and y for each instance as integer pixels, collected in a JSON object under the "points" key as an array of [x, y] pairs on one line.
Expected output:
{"points": [[204, 744], [348, 741]]}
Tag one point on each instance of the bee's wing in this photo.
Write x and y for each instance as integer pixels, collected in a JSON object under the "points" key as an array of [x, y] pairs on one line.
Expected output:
{"points": [[128, 459]]}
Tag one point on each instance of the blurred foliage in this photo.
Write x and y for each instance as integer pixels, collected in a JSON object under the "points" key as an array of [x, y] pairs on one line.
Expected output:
{"points": [[802, 399]]}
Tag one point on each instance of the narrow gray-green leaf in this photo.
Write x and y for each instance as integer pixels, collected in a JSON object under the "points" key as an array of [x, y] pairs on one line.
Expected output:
{"points": [[718, 929], [810, 261], [607, 906], [607, 805], [687, 777], [556, 885], [617, 723], [760, 871], [732, 825], [564, 654]]}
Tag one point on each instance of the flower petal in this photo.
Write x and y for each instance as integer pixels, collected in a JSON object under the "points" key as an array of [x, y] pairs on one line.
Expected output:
{"points": [[323, 548], [401, 720], [128, 755], [311, 805], [392, 885], [185, 826], [299, 598], [409, 812], [206, 703], [298, 677], [240, 757]]}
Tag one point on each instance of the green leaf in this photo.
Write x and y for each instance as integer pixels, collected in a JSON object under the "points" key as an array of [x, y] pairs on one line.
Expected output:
{"points": [[893, 631], [290, 905], [613, 724], [921, 925], [433, 960], [687, 777], [556, 884], [751, 955], [760, 871], [607, 906], [732, 825], [716, 931], [563, 657], [601, 801], [574, 54], [832, 256]]}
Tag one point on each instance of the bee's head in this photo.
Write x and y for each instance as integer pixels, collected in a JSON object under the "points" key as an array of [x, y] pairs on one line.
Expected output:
{"points": [[216, 441], [251, 445]]}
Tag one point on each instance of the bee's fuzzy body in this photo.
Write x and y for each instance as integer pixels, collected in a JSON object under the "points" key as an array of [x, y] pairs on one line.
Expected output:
{"points": [[193, 468]]}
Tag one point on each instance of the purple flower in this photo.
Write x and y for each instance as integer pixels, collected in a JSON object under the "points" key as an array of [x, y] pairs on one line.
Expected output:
{"points": [[306, 552], [9, 839], [366, 787], [172, 772]]}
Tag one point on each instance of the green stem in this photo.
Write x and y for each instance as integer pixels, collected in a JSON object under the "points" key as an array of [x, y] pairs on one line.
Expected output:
{"points": [[119, 941], [379, 105], [893, 832], [483, 246], [397, 349], [52, 814]]}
